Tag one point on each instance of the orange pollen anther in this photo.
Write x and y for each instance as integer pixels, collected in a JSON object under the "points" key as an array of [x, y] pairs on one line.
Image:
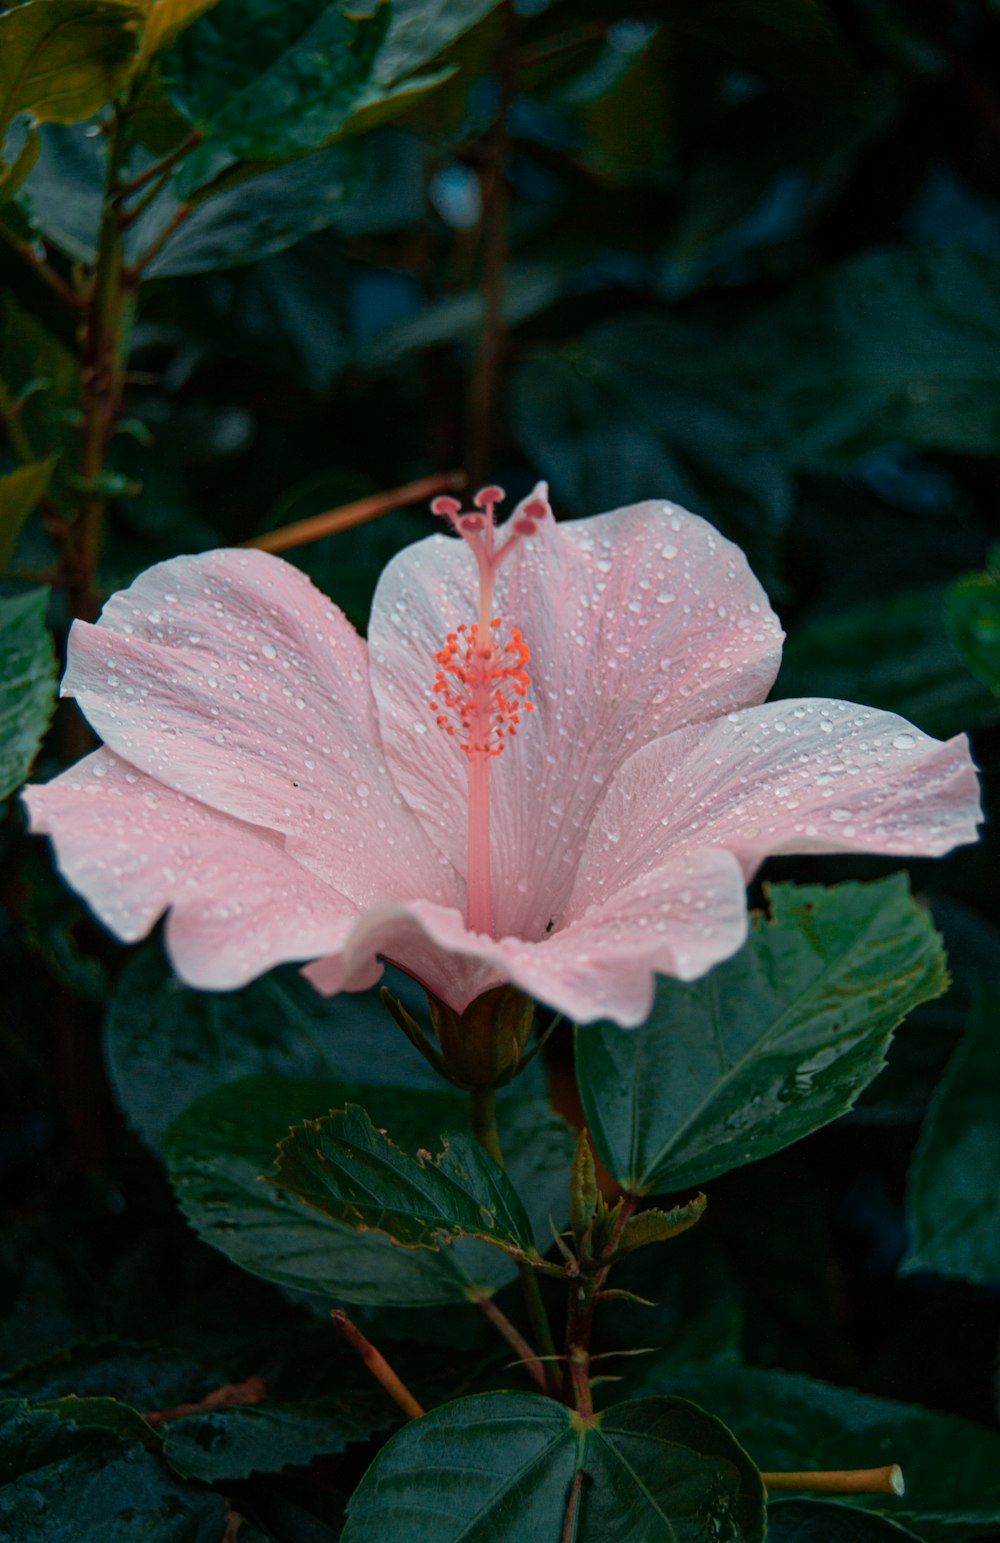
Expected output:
{"points": [[480, 690]]}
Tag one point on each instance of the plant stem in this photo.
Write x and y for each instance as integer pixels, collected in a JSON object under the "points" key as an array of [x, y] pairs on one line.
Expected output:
{"points": [[181, 214], [103, 348], [378, 1365], [42, 266], [125, 189], [842, 1481], [573, 1507], [584, 1293], [486, 383], [483, 1118], [301, 532], [515, 1339]]}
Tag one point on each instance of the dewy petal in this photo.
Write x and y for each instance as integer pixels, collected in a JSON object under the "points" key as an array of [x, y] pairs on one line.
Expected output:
{"points": [[639, 621], [806, 775], [239, 903], [680, 920], [230, 678]]}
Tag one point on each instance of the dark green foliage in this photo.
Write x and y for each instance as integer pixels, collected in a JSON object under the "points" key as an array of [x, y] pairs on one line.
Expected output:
{"points": [[221, 1149], [743, 254], [769, 1046], [478, 1467], [28, 688], [953, 1203], [951, 1467]]}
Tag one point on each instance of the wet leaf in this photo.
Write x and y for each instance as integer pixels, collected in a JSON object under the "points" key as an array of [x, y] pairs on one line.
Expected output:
{"points": [[769, 1046], [953, 1197], [27, 684], [480, 1466]]}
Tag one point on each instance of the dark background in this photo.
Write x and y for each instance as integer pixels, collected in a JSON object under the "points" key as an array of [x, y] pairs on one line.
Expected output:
{"points": [[680, 252]]}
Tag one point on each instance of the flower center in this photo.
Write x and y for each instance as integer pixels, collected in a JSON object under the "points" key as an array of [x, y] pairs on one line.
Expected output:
{"points": [[480, 689]]}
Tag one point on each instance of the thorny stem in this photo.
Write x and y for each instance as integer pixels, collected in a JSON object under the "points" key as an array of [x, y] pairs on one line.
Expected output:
{"points": [[485, 386], [377, 1365], [301, 532], [842, 1481], [583, 1297], [515, 1339], [483, 1118]]}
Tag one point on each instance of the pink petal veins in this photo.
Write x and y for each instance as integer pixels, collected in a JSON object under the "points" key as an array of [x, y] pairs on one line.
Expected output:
{"points": [[134, 847], [680, 920], [230, 678], [638, 622], [807, 775]]}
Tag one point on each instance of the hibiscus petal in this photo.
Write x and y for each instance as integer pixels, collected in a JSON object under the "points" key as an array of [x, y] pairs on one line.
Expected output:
{"points": [[229, 677], [680, 921], [132, 847], [639, 621], [806, 775]]}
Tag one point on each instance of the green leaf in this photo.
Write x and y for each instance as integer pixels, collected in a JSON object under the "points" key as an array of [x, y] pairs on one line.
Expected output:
{"points": [[20, 491], [262, 1438], [951, 1467], [821, 1521], [43, 375], [654, 1226], [165, 20], [358, 1176], [893, 653], [303, 71], [27, 684], [953, 1197], [61, 60], [644, 402], [502, 1466], [972, 615], [165, 1044], [892, 347], [276, 83], [218, 1149], [769, 1046], [64, 1480]]}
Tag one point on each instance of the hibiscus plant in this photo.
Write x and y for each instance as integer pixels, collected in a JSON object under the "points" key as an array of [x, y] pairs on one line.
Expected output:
{"points": [[452, 995]]}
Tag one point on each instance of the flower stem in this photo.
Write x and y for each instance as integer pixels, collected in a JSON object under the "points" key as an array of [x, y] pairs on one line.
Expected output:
{"points": [[483, 1118], [378, 1365], [842, 1481]]}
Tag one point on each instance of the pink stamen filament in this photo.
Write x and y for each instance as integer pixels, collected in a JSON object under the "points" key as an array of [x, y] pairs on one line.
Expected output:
{"points": [[481, 685]]}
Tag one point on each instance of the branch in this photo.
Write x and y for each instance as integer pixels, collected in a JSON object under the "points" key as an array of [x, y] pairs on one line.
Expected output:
{"points": [[342, 518], [126, 189], [515, 1340], [842, 1481], [378, 1365], [232, 1395]]}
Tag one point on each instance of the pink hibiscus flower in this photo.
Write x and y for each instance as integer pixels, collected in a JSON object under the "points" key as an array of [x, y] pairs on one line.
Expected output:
{"points": [[548, 765]]}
